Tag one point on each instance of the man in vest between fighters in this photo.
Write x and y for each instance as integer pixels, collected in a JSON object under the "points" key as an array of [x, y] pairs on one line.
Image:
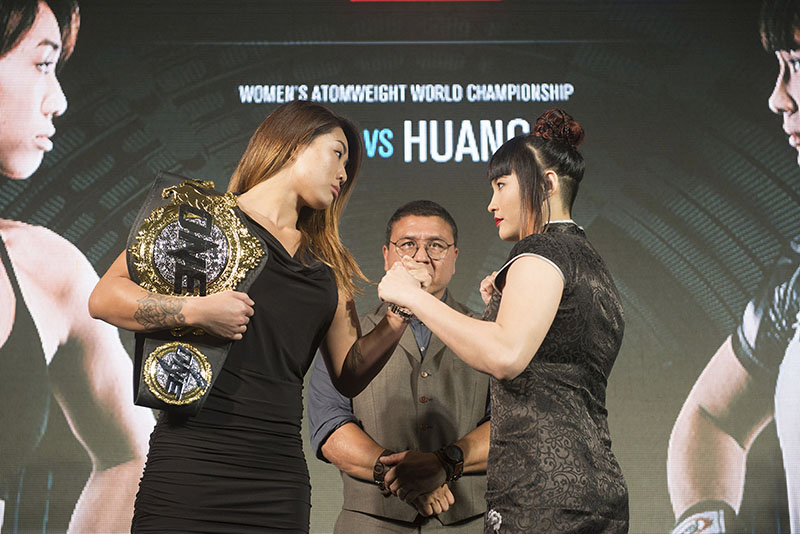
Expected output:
{"points": [[412, 447]]}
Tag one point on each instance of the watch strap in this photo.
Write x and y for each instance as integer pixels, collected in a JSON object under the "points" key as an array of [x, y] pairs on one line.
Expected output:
{"points": [[379, 473], [453, 469]]}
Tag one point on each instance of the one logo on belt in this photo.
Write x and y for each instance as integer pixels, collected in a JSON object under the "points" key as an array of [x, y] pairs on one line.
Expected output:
{"points": [[177, 373], [199, 250]]}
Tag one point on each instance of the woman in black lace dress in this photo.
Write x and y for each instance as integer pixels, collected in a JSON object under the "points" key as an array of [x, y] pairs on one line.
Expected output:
{"points": [[554, 330]]}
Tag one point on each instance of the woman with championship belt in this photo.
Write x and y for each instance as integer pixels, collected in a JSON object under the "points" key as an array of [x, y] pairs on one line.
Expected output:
{"points": [[237, 465], [549, 344], [49, 345]]}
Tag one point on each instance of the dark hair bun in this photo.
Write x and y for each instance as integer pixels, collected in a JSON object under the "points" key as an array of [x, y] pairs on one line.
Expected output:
{"points": [[558, 125]]}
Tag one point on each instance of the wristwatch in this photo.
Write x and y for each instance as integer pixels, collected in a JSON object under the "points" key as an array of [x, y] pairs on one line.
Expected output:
{"points": [[452, 459], [404, 313], [379, 472]]}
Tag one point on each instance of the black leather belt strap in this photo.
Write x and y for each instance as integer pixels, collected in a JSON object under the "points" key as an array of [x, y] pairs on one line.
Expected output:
{"points": [[188, 239]]}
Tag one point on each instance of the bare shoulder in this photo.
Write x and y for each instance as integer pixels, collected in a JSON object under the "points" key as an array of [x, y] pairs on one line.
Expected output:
{"points": [[45, 258]]}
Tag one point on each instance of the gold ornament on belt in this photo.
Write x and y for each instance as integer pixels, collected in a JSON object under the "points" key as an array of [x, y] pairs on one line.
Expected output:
{"points": [[195, 245], [177, 373]]}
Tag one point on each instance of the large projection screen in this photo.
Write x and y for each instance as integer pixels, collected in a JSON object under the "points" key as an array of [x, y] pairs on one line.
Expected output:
{"points": [[690, 192]]}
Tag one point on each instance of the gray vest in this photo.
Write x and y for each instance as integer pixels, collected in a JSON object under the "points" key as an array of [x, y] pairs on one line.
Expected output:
{"points": [[420, 404]]}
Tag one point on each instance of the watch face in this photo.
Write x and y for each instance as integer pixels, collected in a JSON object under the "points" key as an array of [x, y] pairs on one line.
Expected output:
{"points": [[454, 453], [379, 470]]}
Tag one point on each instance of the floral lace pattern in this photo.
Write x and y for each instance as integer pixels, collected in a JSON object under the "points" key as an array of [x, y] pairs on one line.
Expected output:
{"points": [[551, 468]]}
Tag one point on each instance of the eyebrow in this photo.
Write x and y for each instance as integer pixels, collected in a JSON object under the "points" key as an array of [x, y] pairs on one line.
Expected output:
{"points": [[343, 145], [48, 42], [417, 238]]}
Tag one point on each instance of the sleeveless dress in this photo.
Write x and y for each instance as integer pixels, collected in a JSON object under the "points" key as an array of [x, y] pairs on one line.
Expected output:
{"points": [[25, 397], [238, 465], [551, 469]]}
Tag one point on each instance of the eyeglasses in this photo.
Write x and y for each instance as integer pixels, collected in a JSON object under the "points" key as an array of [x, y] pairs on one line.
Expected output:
{"points": [[436, 249]]}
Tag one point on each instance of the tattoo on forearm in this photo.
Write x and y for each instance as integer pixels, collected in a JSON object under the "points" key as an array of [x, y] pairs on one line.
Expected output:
{"points": [[354, 358], [159, 311]]}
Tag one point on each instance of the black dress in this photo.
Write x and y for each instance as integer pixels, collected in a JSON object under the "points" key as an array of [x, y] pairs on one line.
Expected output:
{"points": [[238, 465], [25, 398], [551, 469]]}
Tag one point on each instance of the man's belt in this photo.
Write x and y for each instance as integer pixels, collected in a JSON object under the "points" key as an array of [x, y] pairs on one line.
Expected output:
{"points": [[188, 239]]}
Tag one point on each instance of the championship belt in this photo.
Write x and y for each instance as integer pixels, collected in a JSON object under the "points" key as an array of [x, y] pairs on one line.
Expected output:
{"points": [[188, 239]]}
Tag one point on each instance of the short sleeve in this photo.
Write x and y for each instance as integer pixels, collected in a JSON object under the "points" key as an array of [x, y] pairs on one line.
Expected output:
{"points": [[773, 303], [760, 365], [549, 247], [487, 414], [327, 408]]}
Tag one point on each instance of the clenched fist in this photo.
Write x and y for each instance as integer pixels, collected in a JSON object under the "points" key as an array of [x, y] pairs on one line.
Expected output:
{"points": [[225, 314]]}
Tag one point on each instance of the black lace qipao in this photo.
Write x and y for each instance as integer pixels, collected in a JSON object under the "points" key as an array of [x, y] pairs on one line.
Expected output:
{"points": [[551, 469]]}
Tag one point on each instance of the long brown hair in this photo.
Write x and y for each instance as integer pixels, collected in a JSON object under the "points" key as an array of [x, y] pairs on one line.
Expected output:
{"points": [[290, 126]]}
